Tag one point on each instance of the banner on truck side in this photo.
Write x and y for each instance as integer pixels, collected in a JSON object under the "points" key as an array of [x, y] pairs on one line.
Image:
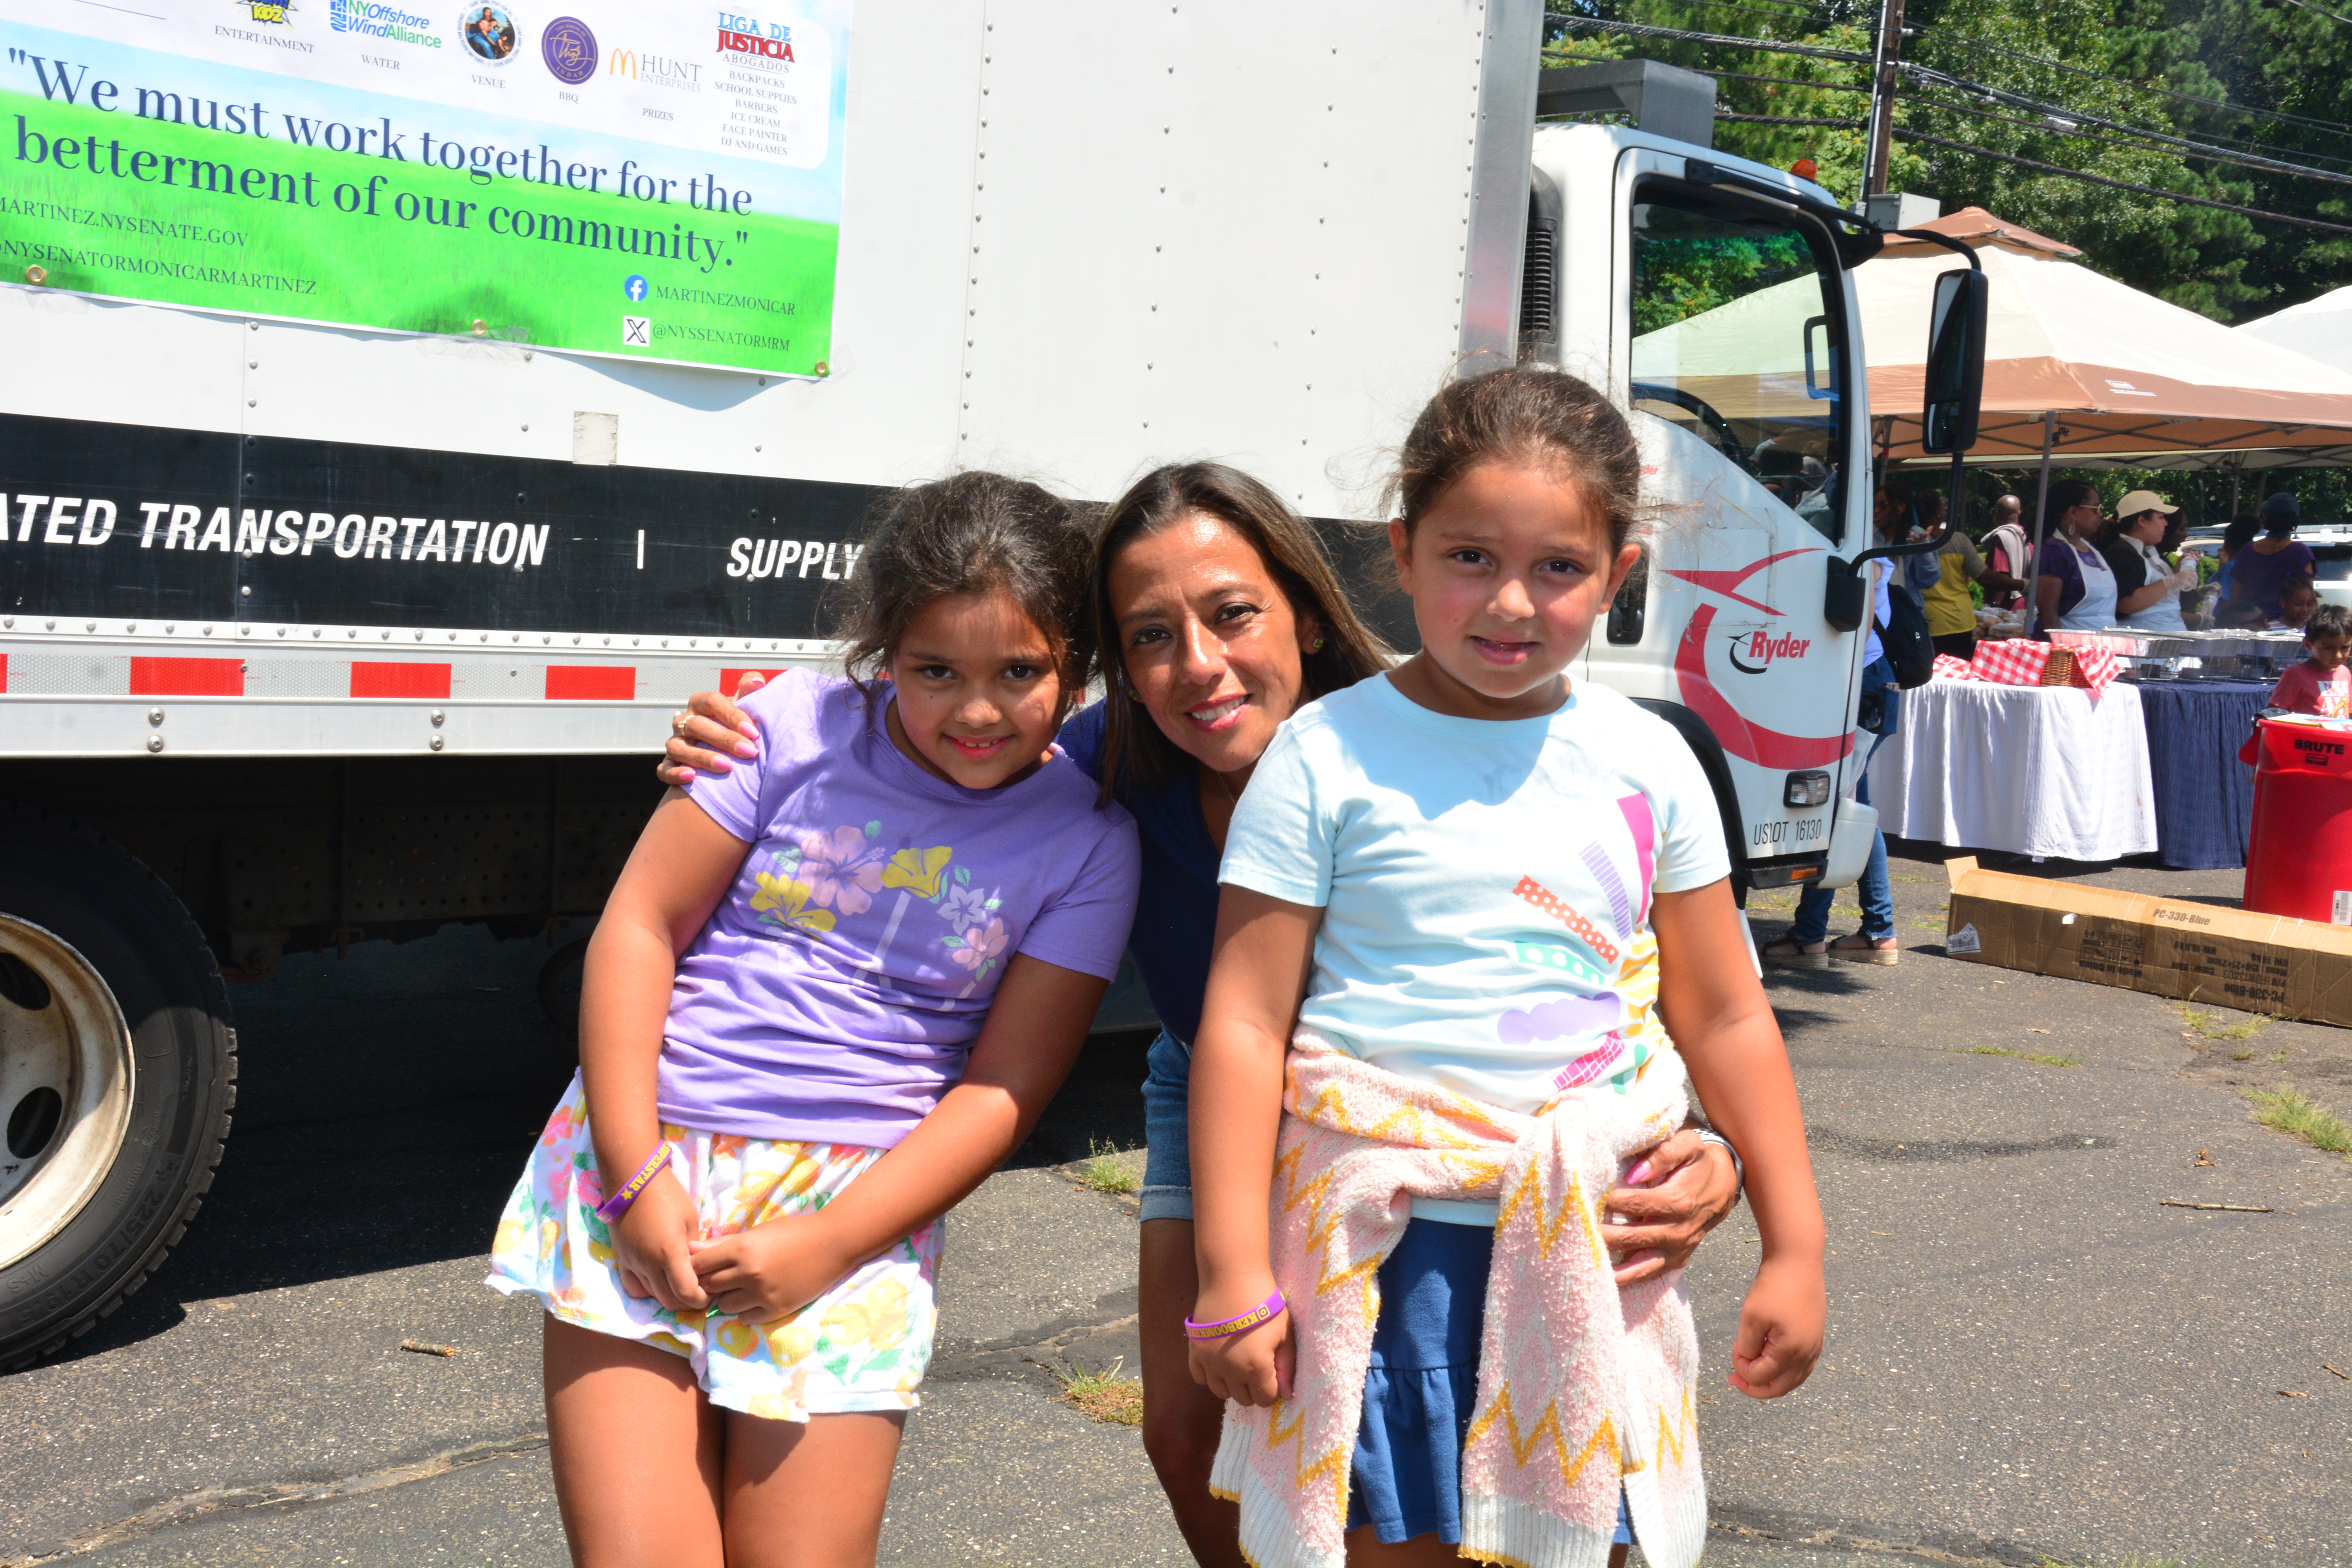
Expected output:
{"points": [[648, 179]]}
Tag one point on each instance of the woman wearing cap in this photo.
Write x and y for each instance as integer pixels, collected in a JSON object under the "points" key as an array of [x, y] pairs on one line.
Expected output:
{"points": [[2263, 568], [2147, 590]]}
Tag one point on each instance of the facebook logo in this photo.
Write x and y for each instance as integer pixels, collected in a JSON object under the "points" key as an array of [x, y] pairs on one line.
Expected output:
{"points": [[636, 287]]}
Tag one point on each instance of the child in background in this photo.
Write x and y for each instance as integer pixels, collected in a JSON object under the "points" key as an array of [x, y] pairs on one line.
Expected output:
{"points": [[2297, 599], [1505, 901], [2321, 684], [831, 992]]}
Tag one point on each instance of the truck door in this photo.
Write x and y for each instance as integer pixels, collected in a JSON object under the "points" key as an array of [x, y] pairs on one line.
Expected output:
{"points": [[1732, 350]]}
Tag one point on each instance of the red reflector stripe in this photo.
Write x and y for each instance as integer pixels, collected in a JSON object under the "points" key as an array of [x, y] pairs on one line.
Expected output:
{"points": [[4, 672], [186, 678], [590, 682], [400, 681], [728, 677]]}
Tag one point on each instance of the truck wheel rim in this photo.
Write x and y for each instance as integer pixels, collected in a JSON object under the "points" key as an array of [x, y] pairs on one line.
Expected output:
{"points": [[66, 1077]]}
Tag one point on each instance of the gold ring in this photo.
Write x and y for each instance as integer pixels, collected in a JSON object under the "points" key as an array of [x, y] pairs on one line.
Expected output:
{"points": [[677, 723]]}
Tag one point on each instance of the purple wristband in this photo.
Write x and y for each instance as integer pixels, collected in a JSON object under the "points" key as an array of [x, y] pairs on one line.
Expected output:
{"points": [[1240, 1322], [616, 1205]]}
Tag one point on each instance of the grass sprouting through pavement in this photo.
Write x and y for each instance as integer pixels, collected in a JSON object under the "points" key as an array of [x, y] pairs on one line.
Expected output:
{"points": [[1102, 1395], [1105, 1172], [2207, 1024], [2296, 1114], [2025, 1056]]}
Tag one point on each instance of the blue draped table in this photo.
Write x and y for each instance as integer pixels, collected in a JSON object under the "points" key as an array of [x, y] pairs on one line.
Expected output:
{"points": [[2204, 795]]}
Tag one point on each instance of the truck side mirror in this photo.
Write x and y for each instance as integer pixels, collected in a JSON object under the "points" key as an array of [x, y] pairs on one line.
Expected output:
{"points": [[1956, 354]]}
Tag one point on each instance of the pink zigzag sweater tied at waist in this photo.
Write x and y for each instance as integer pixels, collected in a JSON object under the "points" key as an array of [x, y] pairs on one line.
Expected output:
{"points": [[1583, 1389]]}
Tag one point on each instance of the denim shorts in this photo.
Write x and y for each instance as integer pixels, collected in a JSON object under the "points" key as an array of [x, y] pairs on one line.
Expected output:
{"points": [[1404, 1479], [1167, 1145]]}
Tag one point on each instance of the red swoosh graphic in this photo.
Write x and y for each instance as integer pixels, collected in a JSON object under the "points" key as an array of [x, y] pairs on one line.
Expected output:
{"points": [[1753, 743], [1724, 583]]}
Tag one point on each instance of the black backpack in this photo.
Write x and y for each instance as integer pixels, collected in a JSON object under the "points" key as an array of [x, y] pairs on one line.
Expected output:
{"points": [[1903, 637]]}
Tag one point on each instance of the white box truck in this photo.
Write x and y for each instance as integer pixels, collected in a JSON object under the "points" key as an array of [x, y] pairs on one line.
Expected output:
{"points": [[314, 628]]}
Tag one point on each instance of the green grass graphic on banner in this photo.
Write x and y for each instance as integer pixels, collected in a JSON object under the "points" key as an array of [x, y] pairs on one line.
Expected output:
{"points": [[143, 209]]}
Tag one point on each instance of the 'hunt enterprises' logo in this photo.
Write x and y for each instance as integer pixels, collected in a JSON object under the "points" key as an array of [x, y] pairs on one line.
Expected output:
{"points": [[273, 11], [390, 22], [656, 70]]}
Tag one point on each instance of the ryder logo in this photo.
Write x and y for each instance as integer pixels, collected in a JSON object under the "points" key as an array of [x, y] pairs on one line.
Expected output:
{"points": [[1752, 653]]}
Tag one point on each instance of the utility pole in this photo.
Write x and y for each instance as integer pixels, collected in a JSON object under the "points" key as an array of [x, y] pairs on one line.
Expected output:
{"points": [[1881, 98]]}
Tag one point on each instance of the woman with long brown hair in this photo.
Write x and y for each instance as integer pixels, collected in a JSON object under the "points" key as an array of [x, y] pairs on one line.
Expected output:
{"points": [[1218, 616]]}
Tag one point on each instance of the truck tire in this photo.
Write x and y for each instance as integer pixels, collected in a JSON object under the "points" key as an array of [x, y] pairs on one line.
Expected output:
{"points": [[118, 1068]]}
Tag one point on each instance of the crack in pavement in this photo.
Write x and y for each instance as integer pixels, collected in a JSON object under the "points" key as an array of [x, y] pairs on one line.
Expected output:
{"points": [[1926, 1150], [1757, 1524], [1008, 1362], [192, 1506]]}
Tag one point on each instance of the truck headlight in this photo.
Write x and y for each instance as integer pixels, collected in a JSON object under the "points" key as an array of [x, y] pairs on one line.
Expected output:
{"points": [[1806, 789]]}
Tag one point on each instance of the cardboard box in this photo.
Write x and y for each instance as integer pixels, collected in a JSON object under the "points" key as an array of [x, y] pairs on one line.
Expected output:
{"points": [[2229, 958]]}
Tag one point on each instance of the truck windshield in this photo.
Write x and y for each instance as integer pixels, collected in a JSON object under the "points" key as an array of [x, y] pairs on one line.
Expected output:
{"points": [[1738, 338]]}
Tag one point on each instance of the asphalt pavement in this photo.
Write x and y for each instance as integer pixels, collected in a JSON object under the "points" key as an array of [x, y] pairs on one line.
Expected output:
{"points": [[2031, 1359]]}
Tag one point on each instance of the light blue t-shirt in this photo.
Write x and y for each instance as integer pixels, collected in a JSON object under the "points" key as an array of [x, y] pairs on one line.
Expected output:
{"points": [[1485, 885]]}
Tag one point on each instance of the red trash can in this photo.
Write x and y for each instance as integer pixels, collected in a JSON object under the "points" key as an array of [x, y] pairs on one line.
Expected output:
{"points": [[2299, 853]]}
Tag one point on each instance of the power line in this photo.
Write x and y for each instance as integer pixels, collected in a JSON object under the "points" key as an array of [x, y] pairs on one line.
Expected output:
{"points": [[2120, 185], [1736, 76], [1724, 40], [2317, 12], [1849, 122], [2044, 128], [2335, 127], [1930, 76]]}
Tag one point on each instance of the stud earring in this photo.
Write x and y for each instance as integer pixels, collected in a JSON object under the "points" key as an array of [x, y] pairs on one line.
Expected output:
{"points": [[1317, 648]]}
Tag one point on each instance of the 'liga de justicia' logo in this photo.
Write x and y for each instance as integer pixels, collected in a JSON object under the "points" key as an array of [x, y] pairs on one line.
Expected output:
{"points": [[569, 50]]}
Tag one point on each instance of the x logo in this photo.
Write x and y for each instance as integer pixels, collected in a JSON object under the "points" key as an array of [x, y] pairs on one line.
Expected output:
{"points": [[636, 332]]}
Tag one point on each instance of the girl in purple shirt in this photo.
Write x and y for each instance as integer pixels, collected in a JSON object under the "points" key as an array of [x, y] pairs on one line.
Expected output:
{"points": [[831, 992]]}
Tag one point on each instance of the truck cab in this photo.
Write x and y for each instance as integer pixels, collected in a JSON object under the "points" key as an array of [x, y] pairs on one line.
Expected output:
{"points": [[1711, 295]]}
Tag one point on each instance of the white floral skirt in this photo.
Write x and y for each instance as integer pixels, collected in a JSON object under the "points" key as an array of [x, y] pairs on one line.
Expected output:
{"points": [[861, 1345]]}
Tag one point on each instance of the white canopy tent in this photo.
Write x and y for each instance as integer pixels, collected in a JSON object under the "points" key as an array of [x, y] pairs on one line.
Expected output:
{"points": [[2318, 328], [2078, 367], [2093, 370]]}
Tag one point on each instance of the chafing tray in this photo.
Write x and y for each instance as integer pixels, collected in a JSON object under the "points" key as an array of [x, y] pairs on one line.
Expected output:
{"points": [[2169, 656]]}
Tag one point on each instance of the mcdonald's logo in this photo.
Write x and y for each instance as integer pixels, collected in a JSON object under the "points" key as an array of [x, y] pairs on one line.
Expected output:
{"points": [[624, 63]]}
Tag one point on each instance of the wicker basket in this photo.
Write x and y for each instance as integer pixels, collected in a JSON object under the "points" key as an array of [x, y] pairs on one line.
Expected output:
{"points": [[2059, 671]]}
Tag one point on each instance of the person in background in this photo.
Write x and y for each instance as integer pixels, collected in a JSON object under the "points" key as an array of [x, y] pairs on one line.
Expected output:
{"points": [[1951, 613], [2321, 684], [2147, 589], [2073, 586], [2006, 551], [2298, 601], [2234, 540], [1807, 944], [2259, 573]]}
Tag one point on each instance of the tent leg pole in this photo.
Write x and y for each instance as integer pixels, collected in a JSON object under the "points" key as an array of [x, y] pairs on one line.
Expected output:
{"points": [[2041, 516], [2237, 478]]}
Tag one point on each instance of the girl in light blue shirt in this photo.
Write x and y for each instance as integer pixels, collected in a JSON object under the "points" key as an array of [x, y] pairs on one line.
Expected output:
{"points": [[1477, 874]]}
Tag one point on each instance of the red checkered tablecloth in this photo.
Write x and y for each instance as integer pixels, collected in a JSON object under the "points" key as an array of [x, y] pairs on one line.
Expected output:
{"points": [[2017, 662], [1951, 669]]}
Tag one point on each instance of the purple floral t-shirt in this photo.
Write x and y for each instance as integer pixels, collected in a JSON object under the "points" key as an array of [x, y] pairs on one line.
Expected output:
{"points": [[839, 985]]}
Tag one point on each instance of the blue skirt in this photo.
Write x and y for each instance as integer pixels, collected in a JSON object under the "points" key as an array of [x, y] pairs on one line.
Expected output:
{"points": [[1422, 1390]]}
